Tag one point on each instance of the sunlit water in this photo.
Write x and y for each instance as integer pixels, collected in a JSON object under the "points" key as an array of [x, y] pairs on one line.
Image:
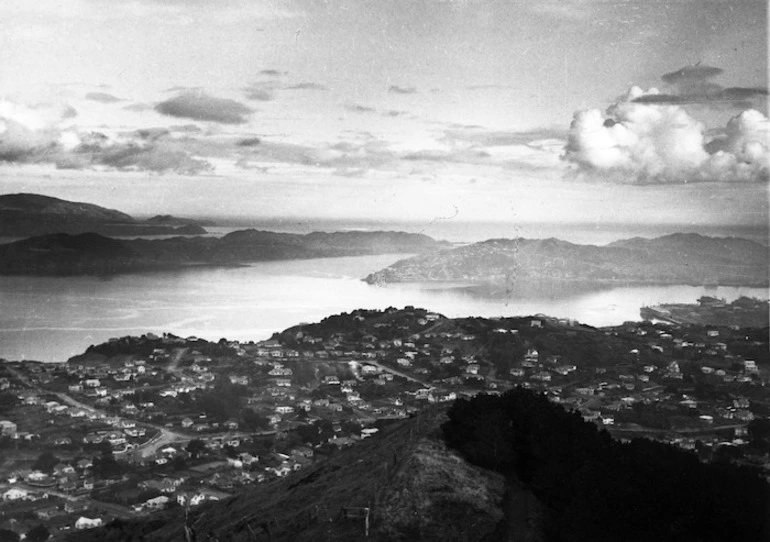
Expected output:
{"points": [[47, 318]]}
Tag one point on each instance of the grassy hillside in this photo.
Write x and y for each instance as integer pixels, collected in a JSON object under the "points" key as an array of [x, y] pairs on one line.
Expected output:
{"points": [[414, 486]]}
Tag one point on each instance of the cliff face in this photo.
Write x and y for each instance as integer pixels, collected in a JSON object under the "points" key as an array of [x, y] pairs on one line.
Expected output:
{"points": [[675, 259]]}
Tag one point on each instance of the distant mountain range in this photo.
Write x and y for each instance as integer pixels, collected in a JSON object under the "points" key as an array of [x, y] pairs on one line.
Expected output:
{"points": [[94, 254], [24, 215], [672, 259]]}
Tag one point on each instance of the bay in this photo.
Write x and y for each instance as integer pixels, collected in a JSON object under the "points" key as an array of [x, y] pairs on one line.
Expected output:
{"points": [[54, 318]]}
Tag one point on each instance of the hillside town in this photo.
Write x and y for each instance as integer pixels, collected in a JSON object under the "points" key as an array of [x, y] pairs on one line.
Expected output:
{"points": [[139, 424]]}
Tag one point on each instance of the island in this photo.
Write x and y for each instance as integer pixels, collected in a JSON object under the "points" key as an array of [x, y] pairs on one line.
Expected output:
{"points": [[501, 265]]}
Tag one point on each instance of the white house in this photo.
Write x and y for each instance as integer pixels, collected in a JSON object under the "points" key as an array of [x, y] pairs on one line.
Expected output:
{"points": [[88, 523]]}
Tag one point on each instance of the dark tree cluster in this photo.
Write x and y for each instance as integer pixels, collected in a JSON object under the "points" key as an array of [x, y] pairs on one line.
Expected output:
{"points": [[596, 488]]}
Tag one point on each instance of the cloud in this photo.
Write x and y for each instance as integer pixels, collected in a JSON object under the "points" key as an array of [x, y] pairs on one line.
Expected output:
{"points": [[259, 92], [494, 138], [307, 86], [695, 76], [139, 107], [201, 106], [44, 135], [157, 158], [151, 149], [182, 88], [102, 97], [364, 109], [29, 134], [652, 143], [395, 89], [356, 108], [693, 85]]}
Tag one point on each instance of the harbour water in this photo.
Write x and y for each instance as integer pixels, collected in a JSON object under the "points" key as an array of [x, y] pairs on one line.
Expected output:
{"points": [[53, 318]]}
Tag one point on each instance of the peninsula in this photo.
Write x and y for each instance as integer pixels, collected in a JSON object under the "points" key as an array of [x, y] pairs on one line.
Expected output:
{"points": [[94, 254], [25, 215]]}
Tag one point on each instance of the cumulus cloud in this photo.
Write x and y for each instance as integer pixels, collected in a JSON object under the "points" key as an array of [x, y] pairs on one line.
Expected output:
{"points": [[28, 134], [44, 135], [637, 142], [200, 106], [102, 97]]}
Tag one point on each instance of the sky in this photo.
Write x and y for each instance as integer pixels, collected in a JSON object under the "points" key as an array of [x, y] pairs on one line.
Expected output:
{"points": [[560, 112]]}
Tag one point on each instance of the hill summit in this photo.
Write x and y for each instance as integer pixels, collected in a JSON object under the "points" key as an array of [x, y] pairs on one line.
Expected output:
{"points": [[24, 215], [673, 259]]}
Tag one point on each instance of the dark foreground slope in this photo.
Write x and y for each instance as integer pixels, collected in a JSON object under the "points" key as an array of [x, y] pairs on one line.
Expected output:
{"points": [[594, 488], [24, 215], [415, 487], [526, 470], [673, 259], [63, 254]]}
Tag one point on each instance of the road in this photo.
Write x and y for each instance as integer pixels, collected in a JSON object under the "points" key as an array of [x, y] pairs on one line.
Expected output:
{"points": [[398, 373], [689, 430], [164, 438], [173, 362]]}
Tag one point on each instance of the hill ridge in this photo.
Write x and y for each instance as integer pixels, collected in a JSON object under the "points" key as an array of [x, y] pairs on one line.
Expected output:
{"points": [[674, 259], [27, 214]]}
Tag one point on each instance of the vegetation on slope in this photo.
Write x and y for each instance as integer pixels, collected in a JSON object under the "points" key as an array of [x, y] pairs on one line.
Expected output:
{"points": [[672, 259], [64, 254], [23, 215], [596, 488], [414, 486]]}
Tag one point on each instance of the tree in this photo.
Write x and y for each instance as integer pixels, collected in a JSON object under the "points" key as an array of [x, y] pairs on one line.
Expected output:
{"points": [[106, 466], [759, 433], [196, 447], [351, 427], [253, 421], [46, 462], [230, 451], [7, 401], [308, 433], [38, 534]]}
